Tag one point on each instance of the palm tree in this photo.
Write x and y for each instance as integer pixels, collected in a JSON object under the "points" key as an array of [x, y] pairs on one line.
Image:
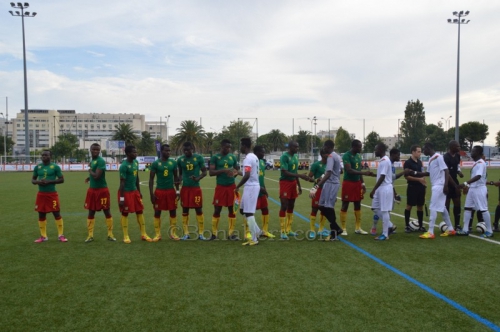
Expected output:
{"points": [[277, 139], [189, 131], [124, 132]]}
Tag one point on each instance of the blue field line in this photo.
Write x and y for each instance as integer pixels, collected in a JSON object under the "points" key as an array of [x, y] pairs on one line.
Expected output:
{"points": [[454, 304]]}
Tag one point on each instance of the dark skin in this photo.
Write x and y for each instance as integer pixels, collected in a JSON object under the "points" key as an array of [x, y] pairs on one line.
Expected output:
{"points": [[131, 156], [188, 153], [224, 150], [289, 204], [165, 154], [43, 182], [429, 152], [380, 152], [244, 150], [348, 169], [95, 150], [475, 155], [453, 149], [324, 157]]}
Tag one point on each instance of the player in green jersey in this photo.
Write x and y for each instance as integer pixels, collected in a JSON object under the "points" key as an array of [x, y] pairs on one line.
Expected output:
{"points": [[165, 197], [316, 171], [46, 175], [225, 166], [130, 197], [191, 169], [98, 197], [353, 186]]}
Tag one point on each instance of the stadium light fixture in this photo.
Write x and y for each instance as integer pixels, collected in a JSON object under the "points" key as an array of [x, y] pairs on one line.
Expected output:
{"points": [[459, 22], [26, 119]]}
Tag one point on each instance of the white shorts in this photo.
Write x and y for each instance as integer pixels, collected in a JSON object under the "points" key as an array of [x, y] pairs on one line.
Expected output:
{"points": [[477, 199], [383, 199], [249, 199], [438, 199]]}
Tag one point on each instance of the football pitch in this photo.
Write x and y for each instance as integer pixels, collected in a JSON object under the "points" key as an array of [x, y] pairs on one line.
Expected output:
{"points": [[357, 284]]}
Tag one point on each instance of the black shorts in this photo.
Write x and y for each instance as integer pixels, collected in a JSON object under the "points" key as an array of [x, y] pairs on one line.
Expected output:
{"points": [[452, 192], [415, 195]]}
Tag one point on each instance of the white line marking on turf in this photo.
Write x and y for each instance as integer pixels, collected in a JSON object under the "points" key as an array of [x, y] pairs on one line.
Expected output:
{"points": [[425, 222]]}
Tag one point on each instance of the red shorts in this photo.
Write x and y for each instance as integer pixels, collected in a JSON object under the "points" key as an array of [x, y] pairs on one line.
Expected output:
{"points": [[224, 195], [262, 202], [315, 200], [166, 200], [97, 199], [351, 191], [288, 189], [191, 197], [133, 202], [47, 202]]}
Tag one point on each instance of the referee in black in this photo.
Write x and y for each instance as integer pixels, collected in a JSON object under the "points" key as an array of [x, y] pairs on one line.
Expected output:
{"points": [[415, 193]]}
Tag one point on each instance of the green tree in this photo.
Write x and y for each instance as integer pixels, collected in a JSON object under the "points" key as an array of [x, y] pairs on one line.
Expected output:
{"points": [[234, 132], [473, 131], [146, 145], [65, 146], [189, 131], [342, 140], [498, 139], [303, 137], [371, 140], [413, 125], [437, 136], [10, 145], [81, 154], [124, 132], [210, 143], [275, 139]]}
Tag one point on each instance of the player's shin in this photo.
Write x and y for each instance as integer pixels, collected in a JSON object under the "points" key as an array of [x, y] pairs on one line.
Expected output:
{"points": [[343, 219], [90, 226], [232, 223], [185, 223], [312, 222], [42, 224], [357, 215], [467, 215], [157, 224], [109, 226], [142, 224], [60, 226], [124, 223], [201, 223]]}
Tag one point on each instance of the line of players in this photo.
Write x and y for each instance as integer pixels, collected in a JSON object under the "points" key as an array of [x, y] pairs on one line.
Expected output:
{"points": [[191, 168]]}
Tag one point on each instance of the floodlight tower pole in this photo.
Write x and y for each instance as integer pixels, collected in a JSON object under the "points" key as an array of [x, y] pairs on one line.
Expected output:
{"points": [[26, 123], [459, 22]]}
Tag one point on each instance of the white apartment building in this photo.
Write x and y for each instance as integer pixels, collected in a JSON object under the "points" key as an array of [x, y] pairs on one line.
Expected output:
{"points": [[46, 125]]}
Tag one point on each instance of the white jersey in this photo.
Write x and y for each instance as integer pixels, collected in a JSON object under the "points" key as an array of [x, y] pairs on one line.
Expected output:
{"points": [[436, 168], [385, 168], [251, 164], [479, 168]]}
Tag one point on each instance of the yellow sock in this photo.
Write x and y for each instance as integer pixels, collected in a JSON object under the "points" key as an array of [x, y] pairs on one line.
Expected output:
{"points": [[265, 223], [312, 223], [124, 222], [215, 225], [142, 224], [282, 224], [43, 227], [322, 220], [173, 227], [289, 222], [185, 224], [60, 227], [201, 223], [232, 222], [109, 225], [357, 215], [90, 226], [343, 218], [157, 223]]}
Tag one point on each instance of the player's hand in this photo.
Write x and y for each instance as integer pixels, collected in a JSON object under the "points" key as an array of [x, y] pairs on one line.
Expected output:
{"points": [[445, 190], [140, 194], [153, 199], [372, 194], [229, 173], [422, 181], [363, 189], [304, 177], [466, 190], [87, 180], [460, 174], [397, 198], [313, 191], [194, 178], [236, 190], [299, 190], [370, 173]]}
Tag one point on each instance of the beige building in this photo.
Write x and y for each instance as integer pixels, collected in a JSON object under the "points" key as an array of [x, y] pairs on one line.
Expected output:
{"points": [[390, 141], [46, 125]]}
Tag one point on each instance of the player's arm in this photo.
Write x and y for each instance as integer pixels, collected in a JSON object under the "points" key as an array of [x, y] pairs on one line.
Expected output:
{"points": [[179, 169], [446, 181], [214, 172], [34, 180], [202, 175], [298, 185], [152, 174], [295, 175], [138, 184], [494, 183], [379, 182], [177, 179], [245, 177], [97, 174], [59, 178], [348, 169]]}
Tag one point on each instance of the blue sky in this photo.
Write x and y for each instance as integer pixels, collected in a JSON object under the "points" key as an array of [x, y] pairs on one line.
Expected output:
{"points": [[272, 60]]}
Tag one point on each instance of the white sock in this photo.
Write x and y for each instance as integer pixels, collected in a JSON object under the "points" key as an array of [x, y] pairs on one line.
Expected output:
{"points": [[432, 221], [386, 221], [487, 220], [253, 227], [447, 220], [467, 214]]}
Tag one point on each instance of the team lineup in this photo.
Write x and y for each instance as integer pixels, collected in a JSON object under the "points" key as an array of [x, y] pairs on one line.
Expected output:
{"points": [[178, 181]]}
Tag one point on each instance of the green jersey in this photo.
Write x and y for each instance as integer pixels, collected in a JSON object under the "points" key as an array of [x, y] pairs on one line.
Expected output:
{"points": [[318, 169], [355, 162], [289, 163], [129, 172], [262, 174], [47, 172], [228, 161], [190, 166], [164, 170], [95, 164]]}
